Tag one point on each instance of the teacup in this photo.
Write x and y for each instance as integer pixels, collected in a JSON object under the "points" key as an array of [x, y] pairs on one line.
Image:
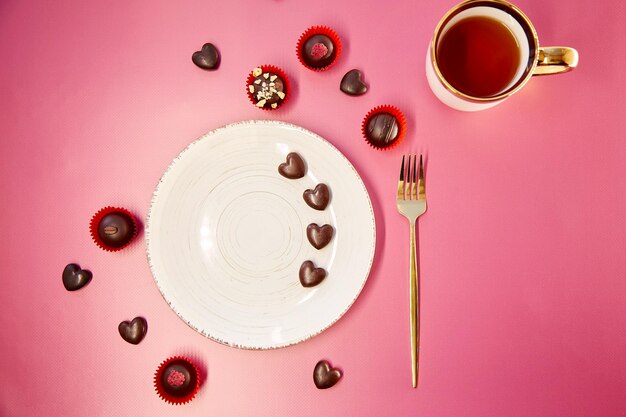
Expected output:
{"points": [[484, 51]]}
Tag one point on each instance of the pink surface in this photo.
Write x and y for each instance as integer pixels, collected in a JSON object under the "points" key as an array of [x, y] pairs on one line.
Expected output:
{"points": [[522, 248]]}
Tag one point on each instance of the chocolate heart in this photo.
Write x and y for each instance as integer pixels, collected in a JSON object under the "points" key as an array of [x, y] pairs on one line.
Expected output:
{"points": [[75, 278], [133, 331], [317, 198], [208, 58], [293, 168], [319, 236], [310, 276], [352, 83], [324, 376]]}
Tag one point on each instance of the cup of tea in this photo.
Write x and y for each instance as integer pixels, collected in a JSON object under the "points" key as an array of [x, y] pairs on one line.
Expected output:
{"points": [[484, 51]]}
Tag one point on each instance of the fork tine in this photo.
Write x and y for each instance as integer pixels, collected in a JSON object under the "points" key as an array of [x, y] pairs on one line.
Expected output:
{"points": [[401, 181], [409, 178], [414, 179], [422, 190]]}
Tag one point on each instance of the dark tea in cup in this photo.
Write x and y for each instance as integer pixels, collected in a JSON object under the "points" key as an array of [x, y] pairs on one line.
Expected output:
{"points": [[479, 56], [484, 51]]}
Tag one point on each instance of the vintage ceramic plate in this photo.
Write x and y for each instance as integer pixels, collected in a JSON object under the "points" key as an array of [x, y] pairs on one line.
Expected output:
{"points": [[226, 236]]}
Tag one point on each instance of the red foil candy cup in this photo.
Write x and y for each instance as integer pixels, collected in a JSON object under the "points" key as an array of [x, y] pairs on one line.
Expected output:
{"points": [[125, 240], [384, 110], [275, 70], [177, 380], [318, 30]]}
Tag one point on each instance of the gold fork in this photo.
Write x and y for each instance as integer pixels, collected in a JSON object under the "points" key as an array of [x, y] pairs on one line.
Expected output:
{"points": [[411, 202]]}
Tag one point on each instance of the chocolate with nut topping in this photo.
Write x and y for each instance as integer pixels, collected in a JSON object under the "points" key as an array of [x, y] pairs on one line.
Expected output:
{"points": [[267, 89]]}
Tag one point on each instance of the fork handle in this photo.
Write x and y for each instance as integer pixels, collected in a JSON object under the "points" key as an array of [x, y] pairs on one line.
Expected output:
{"points": [[414, 309]]}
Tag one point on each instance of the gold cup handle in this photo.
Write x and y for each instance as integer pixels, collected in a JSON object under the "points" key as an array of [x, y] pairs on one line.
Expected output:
{"points": [[556, 59]]}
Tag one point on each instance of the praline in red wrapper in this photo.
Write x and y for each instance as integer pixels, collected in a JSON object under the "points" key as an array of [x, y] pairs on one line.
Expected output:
{"points": [[384, 127], [267, 87], [177, 380], [319, 47], [113, 228]]}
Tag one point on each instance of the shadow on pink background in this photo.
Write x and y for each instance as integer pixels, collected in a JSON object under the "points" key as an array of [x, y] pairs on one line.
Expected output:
{"points": [[522, 248]]}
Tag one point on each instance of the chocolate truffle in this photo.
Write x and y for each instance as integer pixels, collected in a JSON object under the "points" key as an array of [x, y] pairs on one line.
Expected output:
{"points": [[382, 129], [179, 378], [318, 51], [267, 89], [116, 229]]}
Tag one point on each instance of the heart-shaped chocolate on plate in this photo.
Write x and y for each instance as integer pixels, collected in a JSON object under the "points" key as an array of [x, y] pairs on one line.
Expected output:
{"points": [[293, 167], [325, 376], [208, 58], [310, 276], [319, 236], [75, 278], [133, 331], [317, 198], [352, 83]]}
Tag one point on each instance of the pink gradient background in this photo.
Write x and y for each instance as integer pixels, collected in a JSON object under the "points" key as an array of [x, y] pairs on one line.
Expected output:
{"points": [[523, 273]]}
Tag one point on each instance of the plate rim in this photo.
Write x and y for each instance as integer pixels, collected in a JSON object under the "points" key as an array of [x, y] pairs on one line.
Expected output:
{"points": [[212, 132]]}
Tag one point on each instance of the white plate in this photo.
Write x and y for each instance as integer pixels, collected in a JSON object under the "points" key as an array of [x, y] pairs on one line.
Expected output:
{"points": [[226, 235]]}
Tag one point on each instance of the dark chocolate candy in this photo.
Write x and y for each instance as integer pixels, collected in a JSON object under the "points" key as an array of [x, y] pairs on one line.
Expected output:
{"points": [[179, 378], [310, 276], [382, 129], [208, 58], [268, 89], [116, 229], [133, 331], [319, 236], [317, 198], [352, 83], [325, 376], [75, 278], [293, 168], [318, 51]]}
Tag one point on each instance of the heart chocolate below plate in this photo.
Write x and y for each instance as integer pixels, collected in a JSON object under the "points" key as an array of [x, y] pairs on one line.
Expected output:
{"points": [[325, 376], [133, 331], [75, 278], [293, 167], [319, 236], [310, 276], [317, 198]]}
